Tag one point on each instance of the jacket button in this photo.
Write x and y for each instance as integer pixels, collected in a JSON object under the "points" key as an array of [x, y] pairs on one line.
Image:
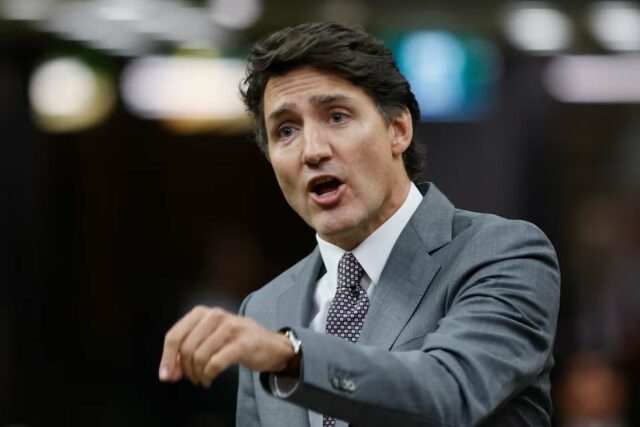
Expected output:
{"points": [[335, 382], [349, 385]]}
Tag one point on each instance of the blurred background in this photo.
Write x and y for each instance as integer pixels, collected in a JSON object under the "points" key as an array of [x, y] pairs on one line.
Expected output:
{"points": [[131, 189]]}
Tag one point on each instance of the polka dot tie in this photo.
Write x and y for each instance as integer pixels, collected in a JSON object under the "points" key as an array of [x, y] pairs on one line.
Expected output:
{"points": [[348, 308]]}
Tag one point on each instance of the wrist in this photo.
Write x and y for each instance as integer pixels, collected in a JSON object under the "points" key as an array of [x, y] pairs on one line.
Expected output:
{"points": [[292, 365]]}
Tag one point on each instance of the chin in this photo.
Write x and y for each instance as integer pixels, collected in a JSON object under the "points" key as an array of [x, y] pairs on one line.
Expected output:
{"points": [[336, 224], [335, 233]]}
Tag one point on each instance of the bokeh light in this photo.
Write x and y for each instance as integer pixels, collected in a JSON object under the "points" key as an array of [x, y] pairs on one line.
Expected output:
{"points": [[537, 27], [185, 89], [452, 76], [616, 25], [67, 95], [235, 14], [594, 79]]}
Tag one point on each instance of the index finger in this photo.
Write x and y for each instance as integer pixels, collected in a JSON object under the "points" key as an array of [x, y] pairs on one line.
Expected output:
{"points": [[172, 341]]}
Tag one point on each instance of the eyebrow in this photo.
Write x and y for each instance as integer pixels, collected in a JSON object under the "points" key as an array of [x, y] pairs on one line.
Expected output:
{"points": [[316, 100], [328, 99]]}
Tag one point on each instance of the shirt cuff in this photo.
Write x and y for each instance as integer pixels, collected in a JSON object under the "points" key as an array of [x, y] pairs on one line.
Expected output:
{"points": [[282, 386]]}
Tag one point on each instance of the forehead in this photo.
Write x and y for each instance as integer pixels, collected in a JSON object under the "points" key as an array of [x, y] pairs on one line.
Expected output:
{"points": [[304, 84]]}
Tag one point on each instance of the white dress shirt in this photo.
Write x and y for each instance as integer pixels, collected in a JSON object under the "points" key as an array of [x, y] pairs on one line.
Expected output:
{"points": [[372, 254]]}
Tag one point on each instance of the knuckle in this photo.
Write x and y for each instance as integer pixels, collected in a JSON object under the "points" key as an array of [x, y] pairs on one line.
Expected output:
{"points": [[236, 325], [213, 368], [187, 349], [216, 313], [171, 339], [199, 358], [242, 345], [210, 317], [226, 335], [230, 328], [199, 308]]}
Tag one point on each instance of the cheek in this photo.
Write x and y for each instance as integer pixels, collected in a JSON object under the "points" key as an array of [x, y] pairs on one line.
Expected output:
{"points": [[374, 143], [283, 181], [372, 159], [286, 178]]}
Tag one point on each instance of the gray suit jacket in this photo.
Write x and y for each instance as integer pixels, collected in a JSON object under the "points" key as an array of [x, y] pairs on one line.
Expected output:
{"points": [[459, 331]]}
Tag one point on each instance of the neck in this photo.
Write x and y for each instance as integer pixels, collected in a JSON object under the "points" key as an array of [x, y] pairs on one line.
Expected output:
{"points": [[351, 239]]}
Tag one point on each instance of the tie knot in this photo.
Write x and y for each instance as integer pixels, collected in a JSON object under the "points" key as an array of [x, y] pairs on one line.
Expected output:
{"points": [[350, 271]]}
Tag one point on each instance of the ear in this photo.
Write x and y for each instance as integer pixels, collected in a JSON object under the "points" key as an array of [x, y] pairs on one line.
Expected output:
{"points": [[402, 132]]}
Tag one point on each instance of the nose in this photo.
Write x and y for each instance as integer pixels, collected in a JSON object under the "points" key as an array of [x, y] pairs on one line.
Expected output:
{"points": [[317, 147]]}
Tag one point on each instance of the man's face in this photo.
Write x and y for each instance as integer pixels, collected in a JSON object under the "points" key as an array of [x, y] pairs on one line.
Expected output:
{"points": [[337, 162]]}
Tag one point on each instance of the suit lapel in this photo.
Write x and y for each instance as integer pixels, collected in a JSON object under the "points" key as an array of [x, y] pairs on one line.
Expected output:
{"points": [[403, 282], [294, 305], [409, 270]]}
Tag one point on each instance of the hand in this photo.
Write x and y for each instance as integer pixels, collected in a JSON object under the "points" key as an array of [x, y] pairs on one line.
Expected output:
{"points": [[206, 341]]}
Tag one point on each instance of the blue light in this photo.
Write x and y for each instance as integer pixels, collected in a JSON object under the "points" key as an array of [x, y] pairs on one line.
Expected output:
{"points": [[453, 77], [433, 62]]}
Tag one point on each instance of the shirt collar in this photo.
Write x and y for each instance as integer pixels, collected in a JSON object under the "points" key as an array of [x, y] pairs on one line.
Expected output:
{"points": [[373, 252]]}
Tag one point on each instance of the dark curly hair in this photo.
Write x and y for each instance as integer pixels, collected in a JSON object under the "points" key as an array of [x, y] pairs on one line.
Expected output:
{"points": [[349, 52]]}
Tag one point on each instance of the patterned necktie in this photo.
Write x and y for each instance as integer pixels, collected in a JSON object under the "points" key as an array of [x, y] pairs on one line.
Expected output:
{"points": [[348, 308]]}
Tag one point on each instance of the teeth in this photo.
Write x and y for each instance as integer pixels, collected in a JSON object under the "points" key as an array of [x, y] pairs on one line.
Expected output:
{"points": [[323, 180]]}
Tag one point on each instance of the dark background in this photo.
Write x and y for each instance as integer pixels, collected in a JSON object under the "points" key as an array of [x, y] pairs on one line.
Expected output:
{"points": [[108, 235]]}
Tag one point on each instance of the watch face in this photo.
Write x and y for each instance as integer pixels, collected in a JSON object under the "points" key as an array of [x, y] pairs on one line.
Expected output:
{"points": [[295, 342]]}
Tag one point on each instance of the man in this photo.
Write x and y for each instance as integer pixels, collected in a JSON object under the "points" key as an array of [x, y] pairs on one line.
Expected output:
{"points": [[409, 311]]}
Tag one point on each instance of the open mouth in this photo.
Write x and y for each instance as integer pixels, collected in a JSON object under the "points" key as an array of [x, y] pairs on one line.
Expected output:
{"points": [[325, 185]]}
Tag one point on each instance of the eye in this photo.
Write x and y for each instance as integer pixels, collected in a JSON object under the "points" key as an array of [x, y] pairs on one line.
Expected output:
{"points": [[285, 131], [337, 117]]}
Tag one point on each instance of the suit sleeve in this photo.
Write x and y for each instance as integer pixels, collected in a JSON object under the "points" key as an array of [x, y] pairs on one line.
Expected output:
{"points": [[247, 411], [493, 342]]}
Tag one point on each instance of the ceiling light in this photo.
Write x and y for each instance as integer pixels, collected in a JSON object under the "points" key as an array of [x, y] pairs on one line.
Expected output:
{"points": [[616, 25], [594, 79], [537, 27], [184, 88], [67, 95]]}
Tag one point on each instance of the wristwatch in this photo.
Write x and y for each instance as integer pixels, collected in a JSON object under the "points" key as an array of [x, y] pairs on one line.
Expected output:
{"points": [[294, 340]]}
